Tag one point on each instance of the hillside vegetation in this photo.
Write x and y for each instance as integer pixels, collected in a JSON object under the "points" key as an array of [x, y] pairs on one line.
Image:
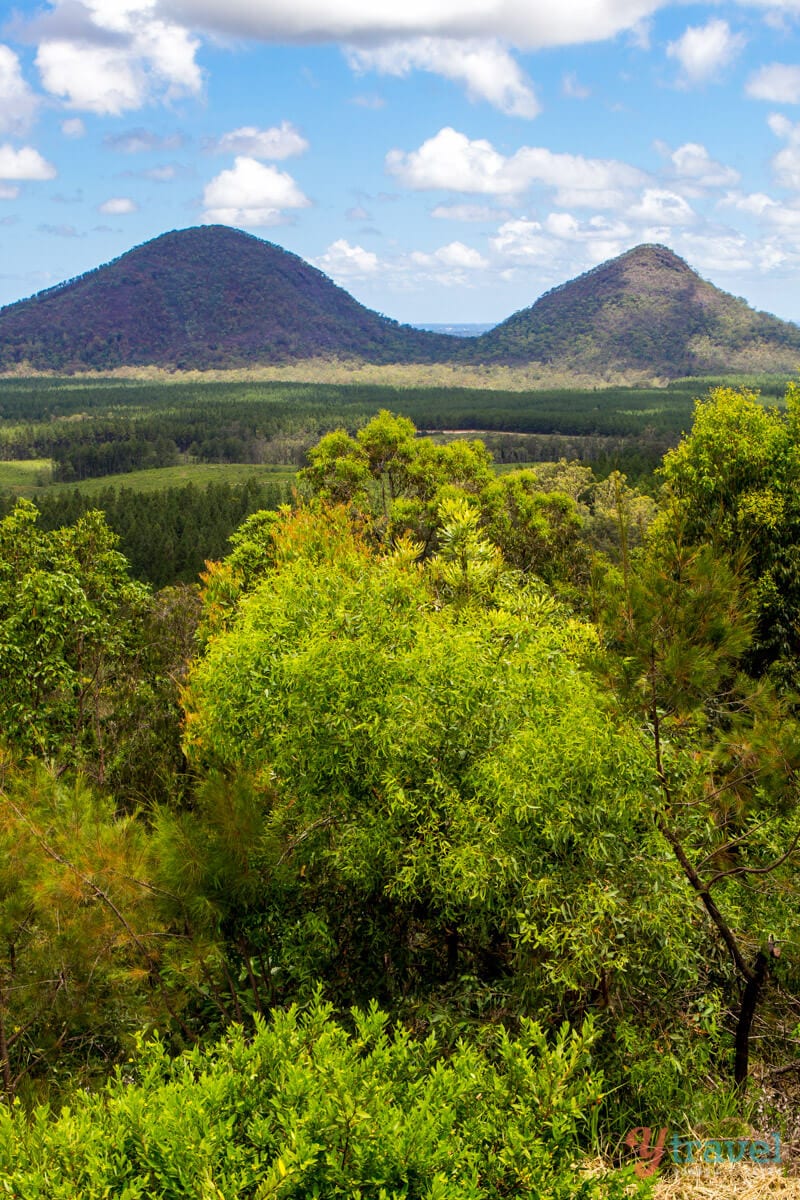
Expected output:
{"points": [[205, 297], [644, 311], [214, 298]]}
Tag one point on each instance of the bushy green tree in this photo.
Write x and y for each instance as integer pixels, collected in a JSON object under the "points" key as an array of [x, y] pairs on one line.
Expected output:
{"points": [[734, 482], [443, 789], [90, 661]]}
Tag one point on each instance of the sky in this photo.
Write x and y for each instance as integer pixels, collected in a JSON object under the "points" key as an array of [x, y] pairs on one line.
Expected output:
{"points": [[443, 160]]}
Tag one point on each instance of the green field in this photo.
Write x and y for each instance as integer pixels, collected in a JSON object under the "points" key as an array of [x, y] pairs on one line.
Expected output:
{"points": [[25, 478], [26, 475]]}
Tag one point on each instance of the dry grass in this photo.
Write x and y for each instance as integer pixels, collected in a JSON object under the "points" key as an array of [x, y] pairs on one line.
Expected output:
{"points": [[402, 375], [727, 1181]]}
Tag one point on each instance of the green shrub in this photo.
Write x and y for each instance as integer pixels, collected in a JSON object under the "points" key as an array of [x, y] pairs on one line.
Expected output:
{"points": [[306, 1109]]}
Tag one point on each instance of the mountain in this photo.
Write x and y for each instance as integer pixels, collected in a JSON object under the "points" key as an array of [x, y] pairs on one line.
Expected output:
{"points": [[646, 311], [216, 297], [205, 297]]}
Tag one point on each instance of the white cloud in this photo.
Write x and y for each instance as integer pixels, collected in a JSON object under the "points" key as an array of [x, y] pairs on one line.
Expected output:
{"points": [[280, 141], [485, 67], [573, 88], [718, 254], [449, 161], [96, 79], [118, 206], [8, 191], [703, 51], [18, 104], [691, 163], [251, 194], [467, 212], [162, 174], [73, 127], [522, 241], [659, 207], [26, 163], [455, 255], [756, 204], [372, 101], [517, 22], [141, 141], [110, 56], [561, 245], [786, 163], [341, 260], [777, 82]]}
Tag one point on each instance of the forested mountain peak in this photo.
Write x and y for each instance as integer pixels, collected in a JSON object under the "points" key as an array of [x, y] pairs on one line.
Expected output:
{"points": [[646, 311], [209, 296], [213, 296]]}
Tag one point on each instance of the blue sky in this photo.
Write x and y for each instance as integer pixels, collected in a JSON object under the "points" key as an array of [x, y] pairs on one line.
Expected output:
{"points": [[444, 160]]}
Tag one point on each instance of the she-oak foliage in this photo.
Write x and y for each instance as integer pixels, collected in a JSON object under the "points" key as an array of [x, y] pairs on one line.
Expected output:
{"points": [[425, 742]]}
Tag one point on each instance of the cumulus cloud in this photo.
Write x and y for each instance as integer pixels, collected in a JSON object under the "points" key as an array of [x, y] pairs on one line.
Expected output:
{"points": [[111, 56], [343, 261], [517, 22], [660, 207], [777, 82], [118, 206], [455, 255], [755, 204], [251, 194], [449, 161], [561, 244], [691, 163], [18, 103], [25, 163], [97, 79], [279, 141], [786, 163], [721, 253], [703, 51], [485, 67]]}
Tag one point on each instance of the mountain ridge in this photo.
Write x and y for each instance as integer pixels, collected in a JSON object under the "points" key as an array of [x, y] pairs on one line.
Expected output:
{"points": [[212, 297]]}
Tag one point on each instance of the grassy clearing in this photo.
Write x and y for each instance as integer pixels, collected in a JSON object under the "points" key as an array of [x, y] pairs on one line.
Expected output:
{"points": [[200, 474], [25, 475]]}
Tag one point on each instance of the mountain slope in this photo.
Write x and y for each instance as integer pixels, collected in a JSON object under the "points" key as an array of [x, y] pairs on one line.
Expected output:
{"points": [[646, 311], [205, 297]]}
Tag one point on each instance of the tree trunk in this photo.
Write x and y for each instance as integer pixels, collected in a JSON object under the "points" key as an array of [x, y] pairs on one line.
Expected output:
{"points": [[750, 998]]}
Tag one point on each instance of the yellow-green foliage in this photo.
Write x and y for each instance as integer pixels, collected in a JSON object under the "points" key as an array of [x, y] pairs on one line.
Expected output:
{"points": [[305, 1110], [425, 734]]}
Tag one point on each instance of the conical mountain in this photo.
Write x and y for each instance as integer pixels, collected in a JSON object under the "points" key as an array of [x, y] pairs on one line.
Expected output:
{"points": [[646, 312], [211, 296]]}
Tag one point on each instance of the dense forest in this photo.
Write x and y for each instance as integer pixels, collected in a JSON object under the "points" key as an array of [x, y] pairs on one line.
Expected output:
{"points": [[444, 833]]}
